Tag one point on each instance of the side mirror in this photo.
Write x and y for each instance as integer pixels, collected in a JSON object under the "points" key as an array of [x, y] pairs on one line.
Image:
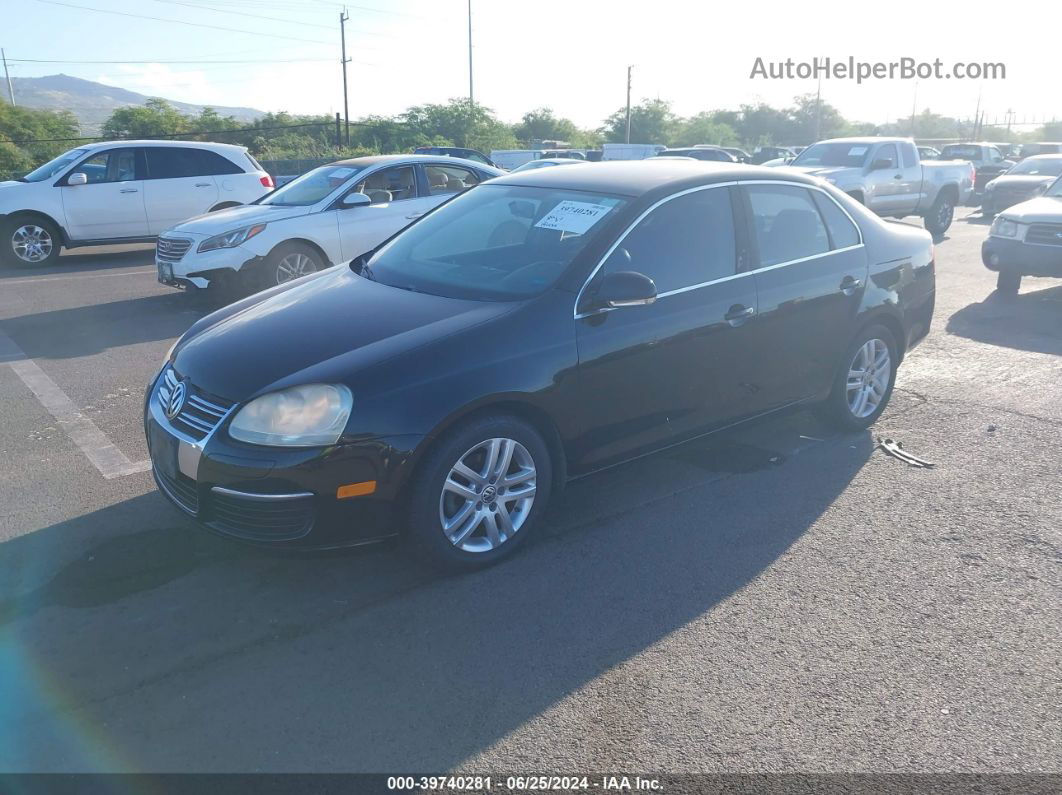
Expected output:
{"points": [[354, 200], [880, 164], [77, 178], [626, 288]]}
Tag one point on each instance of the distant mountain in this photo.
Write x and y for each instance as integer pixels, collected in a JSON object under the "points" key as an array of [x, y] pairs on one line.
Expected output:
{"points": [[93, 102]]}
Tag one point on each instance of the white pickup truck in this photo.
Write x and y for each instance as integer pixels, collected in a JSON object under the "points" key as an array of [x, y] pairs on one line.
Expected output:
{"points": [[887, 175]]}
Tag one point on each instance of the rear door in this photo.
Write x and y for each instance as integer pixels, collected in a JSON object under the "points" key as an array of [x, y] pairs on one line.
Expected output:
{"points": [[179, 185], [811, 270], [111, 204], [648, 374]]}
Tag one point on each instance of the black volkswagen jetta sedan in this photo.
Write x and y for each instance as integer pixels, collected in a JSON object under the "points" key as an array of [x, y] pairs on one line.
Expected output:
{"points": [[535, 328]]}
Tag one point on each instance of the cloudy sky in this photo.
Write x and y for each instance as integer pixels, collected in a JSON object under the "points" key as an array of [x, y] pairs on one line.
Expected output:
{"points": [[573, 58]]}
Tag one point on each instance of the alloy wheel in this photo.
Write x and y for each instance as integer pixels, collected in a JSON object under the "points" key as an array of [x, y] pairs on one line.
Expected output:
{"points": [[868, 378], [487, 495], [944, 215], [32, 243], [294, 266]]}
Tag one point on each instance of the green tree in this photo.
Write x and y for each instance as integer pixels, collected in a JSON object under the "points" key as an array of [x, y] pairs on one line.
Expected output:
{"points": [[814, 120], [704, 128], [541, 125], [460, 122], [761, 124], [34, 129], [652, 122], [156, 118]]}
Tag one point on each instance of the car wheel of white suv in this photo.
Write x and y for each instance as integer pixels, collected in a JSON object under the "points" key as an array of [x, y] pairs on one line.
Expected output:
{"points": [[30, 241]]}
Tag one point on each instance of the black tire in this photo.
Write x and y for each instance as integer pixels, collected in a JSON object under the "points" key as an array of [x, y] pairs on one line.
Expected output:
{"points": [[836, 409], [21, 228], [1008, 282], [426, 535], [941, 214], [272, 271]]}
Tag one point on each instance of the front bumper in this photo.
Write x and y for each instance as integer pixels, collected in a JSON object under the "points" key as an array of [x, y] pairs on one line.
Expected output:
{"points": [[198, 270], [1028, 259], [278, 496]]}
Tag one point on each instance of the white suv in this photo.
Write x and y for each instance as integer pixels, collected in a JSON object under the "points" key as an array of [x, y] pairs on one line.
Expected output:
{"points": [[121, 192], [329, 215]]}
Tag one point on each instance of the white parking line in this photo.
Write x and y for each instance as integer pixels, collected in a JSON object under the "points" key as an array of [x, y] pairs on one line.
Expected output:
{"points": [[101, 451], [40, 279]]}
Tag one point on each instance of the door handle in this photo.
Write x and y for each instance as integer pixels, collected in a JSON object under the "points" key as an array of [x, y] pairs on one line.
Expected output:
{"points": [[202, 184], [850, 285], [738, 314], [897, 176], [128, 190]]}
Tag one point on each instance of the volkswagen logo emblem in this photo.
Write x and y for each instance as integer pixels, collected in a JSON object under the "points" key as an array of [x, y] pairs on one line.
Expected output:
{"points": [[177, 398], [489, 494]]}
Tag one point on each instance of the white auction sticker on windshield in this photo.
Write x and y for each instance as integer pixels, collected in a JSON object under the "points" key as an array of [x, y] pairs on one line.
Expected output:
{"points": [[574, 217], [856, 151]]}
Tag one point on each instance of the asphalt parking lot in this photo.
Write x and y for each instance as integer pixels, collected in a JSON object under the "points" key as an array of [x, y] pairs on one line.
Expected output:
{"points": [[779, 598]]}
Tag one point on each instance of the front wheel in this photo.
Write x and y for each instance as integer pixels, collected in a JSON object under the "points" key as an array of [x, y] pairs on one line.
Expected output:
{"points": [[31, 242], [1008, 281], [479, 493], [864, 381], [940, 215], [288, 262]]}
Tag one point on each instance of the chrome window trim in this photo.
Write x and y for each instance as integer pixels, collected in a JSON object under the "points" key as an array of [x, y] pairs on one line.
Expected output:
{"points": [[580, 315], [246, 495]]}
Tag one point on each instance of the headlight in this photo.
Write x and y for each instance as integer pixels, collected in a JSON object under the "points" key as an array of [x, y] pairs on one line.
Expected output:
{"points": [[1004, 227], [302, 416], [231, 239]]}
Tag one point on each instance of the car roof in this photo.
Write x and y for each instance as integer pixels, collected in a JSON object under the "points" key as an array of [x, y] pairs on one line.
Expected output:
{"points": [[372, 160], [157, 142], [868, 139], [638, 177], [1048, 156]]}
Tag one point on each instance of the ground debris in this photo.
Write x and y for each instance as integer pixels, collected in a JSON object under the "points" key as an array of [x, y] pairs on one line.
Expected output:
{"points": [[895, 449]]}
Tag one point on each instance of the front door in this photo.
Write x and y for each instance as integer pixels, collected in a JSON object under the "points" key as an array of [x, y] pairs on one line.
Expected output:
{"points": [[811, 270], [651, 374], [395, 203], [179, 185], [111, 204]]}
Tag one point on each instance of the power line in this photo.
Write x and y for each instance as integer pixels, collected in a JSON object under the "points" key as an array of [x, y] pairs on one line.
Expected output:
{"points": [[182, 22], [263, 60], [244, 14]]}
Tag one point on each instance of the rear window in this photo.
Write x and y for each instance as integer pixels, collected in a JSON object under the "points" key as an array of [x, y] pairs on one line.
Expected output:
{"points": [[960, 152], [165, 162]]}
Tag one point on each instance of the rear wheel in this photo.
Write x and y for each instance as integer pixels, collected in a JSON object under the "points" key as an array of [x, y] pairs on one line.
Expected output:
{"points": [[941, 214], [479, 493], [288, 262], [864, 381], [1008, 281], [31, 242]]}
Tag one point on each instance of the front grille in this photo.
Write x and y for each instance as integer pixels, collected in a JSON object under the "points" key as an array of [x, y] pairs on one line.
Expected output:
{"points": [[181, 489], [1044, 234], [171, 249], [201, 412], [259, 519]]}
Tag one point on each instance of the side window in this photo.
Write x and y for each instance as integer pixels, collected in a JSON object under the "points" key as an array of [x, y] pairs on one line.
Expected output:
{"points": [[683, 242], [449, 179], [843, 232], [910, 155], [116, 165], [887, 152], [173, 163], [389, 185], [213, 163], [786, 223], [994, 156]]}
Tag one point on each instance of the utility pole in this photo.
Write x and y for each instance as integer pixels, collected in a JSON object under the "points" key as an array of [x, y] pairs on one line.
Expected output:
{"points": [[343, 17], [471, 99], [914, 107], [10, 89], [629, 103], [818, 108]]}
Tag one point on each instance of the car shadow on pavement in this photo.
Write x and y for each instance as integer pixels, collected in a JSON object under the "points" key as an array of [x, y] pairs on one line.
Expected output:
{"points": [[86, 330], [86, 260], [128, 634], [1030, 321]]}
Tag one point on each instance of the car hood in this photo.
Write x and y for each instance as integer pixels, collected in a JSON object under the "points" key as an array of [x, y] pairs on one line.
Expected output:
{"points": [[326, 328], [1030, 181], [1044, 210], [216, 223]]}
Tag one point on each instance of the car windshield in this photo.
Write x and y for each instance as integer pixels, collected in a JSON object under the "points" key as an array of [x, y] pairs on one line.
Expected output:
{"points": [[1055, 189], [311, 187], [848, 155], [56, 166], [1039, 168], [494, 243], [531, 165], [961, 152]]}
